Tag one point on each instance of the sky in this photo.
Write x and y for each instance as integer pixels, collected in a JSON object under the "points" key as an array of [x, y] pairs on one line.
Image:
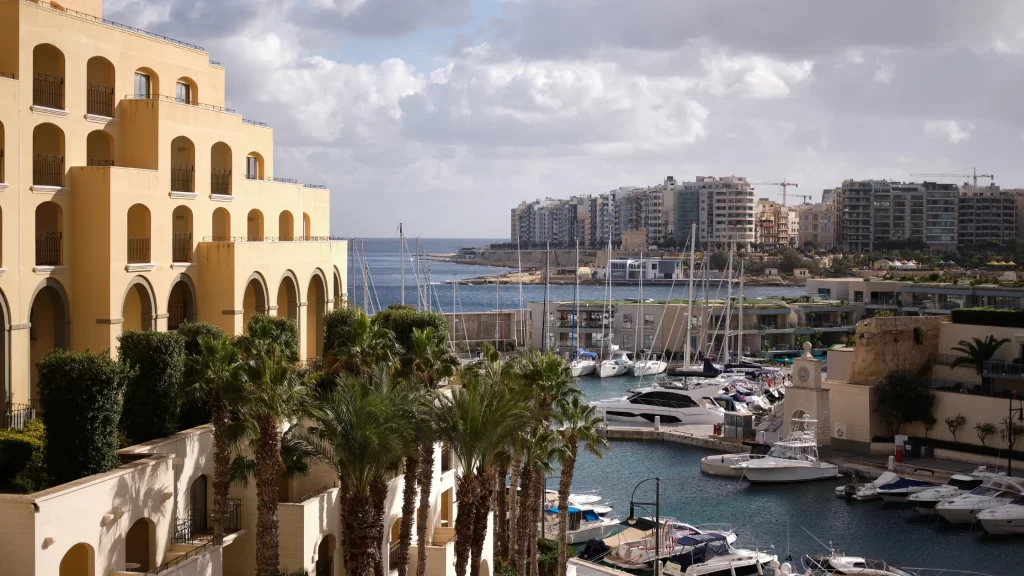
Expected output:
{"points": [[445, 114]]}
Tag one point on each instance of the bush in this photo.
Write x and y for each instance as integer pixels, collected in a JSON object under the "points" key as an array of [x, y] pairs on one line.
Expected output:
{"points": [[23, 459], [337, 328], [547, 556], [988, 317], [285, 330], [155, 364], [901, 401], [195, 411], [402, 320], [82, 395]]}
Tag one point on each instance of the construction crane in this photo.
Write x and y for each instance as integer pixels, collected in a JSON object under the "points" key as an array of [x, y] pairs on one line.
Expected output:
{"points": [[805, 197], [960, 174], [784, 184]]}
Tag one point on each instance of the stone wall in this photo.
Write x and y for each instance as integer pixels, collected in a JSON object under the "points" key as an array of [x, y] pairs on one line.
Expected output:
{"points": [[887, 345]]}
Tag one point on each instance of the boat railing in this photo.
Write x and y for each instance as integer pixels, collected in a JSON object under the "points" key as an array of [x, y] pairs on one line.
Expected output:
{"points": [[715, 527]]}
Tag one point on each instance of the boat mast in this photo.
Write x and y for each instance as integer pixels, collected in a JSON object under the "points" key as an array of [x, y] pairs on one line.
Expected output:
{"points": [[739, 337], [576, 303], [401, 258], [547, 287], [728, 312], [608, 316], [640, 321], [362, 269], [689, 303], [419, 272], [522, 310]]}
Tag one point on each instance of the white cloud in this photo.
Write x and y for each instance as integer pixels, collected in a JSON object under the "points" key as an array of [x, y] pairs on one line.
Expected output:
{"points": [[948, 129], [753, 76], [884, 72]]}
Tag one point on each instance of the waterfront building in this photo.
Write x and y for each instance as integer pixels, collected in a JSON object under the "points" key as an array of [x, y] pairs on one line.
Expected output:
{"points": [[686, 205], [133, 199], [854, 209], [987, 214], [816, 223], [726, 210]]}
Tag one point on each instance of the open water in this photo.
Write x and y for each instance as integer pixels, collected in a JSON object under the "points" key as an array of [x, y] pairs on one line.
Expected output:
{"points": [[384, 262], [778, 515]]}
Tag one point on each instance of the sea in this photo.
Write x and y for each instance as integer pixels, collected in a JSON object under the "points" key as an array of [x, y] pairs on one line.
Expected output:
{"points": [[383, 260]]}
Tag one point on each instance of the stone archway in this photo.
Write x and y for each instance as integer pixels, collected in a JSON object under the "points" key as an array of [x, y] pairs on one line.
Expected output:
{"points": [[79, 560], [138, 308], [181, 303], [49, 326], [316, 307], [288, 297], [325, 556], [138, 545], [254, 299]]}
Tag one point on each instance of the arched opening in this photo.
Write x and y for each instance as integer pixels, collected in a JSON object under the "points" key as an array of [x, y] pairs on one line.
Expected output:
{"points": [[47, 155], [186, 91], [48, 326], [254, 231], [5, 355], [138, 234], [48, 77], [147, 83], [181, 305], [254, 166], [79, 560], [253, 301], [220, 169], [99, 95], [221, 225], [99, 148], [325, 556], [199, 495], [181, 234], [316, 307], [393, 545], [286, 226], [137, 312], [183, 165], [288, 298], [339, 296], [49, 234], [446, 520], [139, 553], [307, 227]]}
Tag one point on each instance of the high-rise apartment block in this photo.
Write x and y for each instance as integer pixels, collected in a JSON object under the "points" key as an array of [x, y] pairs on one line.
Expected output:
{"points": [[874, 214], [816, 225], [988, 214], [726, 210]]}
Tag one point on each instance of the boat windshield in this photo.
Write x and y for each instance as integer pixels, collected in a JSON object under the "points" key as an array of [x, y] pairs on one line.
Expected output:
{"points": [[984, 491]]}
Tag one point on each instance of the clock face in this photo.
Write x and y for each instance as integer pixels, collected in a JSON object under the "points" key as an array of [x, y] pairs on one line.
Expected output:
{"points": [[803, 374]]}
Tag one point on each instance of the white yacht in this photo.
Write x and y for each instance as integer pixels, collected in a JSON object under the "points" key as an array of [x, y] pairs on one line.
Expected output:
{"points": [[651, 365], [864, 491], [635, 548], [794, 459], [993, 492], [902, 488], [584, 523], [582, 367], [1005, 519], [719, 559], [925, 501], [837, 563], [620, 364], [672, 405]]}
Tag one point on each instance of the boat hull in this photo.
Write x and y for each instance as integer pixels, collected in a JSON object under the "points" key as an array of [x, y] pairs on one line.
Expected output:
{"points": [[956, 515], [611, 371], [1002, 526], [676, 418], [582, 370], [785, 474]]}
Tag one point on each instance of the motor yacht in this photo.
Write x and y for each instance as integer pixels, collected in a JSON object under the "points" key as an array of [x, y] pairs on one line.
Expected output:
{"points": [[794, 459], [672, 404], [650, 365], [993, 492], [1005, 519], [584, 523], [925, 501], [902, 488], [717, 558], [635, 548], [620, 364], [864, 491], [840, 564]]}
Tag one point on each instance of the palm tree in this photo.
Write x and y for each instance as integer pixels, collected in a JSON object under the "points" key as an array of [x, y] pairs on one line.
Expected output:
{"points": [[361, 431], [270, 393], [580, 423], [217, 370], [368, 344], [541, 449], [420, 414], [977, 351]]}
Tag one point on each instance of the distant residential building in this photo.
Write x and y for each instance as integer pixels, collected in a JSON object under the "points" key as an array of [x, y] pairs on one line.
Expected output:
{"points": [[726, 210], [854, 210], [771, 223], [686, 205], [986, 214], [873, 213], [828, 195], [817, 224]]}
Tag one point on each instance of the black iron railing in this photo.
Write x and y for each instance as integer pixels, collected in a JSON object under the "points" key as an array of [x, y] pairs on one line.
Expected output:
{"points": [[138, 250], [15, 416], [175, 315], [99, 100], [317, 186], [48, 248], [220, 181], [48, 91], [393, 556], [176, 100], [84, 16], [183, 178], [282, 180], [254, 123], [47, 170], [181, 247], [197, 525], [95, 162], [272, 239]]}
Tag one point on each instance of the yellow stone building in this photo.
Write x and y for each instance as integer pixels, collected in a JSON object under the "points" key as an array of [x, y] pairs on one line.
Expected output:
{"points": [[132, 198]]}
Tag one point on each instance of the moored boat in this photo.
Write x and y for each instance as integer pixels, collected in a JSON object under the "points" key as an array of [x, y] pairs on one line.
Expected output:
{"points": [[993, 492], [925, 501], [794, 459]]}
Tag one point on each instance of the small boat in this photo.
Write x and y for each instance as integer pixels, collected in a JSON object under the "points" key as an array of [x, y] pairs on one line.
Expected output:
{"points": [[794, 459], [1005, 519], [582, 367], [635, 547], [925, 501], [901, 489], [584, 523], [840, 564], [714, 557], [652, 365], [865, 490], [993, 492], [620, 364]]}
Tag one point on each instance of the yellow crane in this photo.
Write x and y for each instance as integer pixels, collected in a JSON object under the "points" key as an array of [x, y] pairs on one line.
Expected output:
{"points": [[973, 175]]}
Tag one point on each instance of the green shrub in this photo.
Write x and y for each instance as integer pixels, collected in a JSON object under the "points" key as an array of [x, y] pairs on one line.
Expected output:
{"points": [[194, 411], [22, 459], [337, 327], [82, 395], [988, 317], [402, 320], [284, 330], [155, 364]]}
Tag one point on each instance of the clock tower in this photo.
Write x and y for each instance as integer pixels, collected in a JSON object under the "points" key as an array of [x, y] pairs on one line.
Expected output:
{"points": [[806, 398]]}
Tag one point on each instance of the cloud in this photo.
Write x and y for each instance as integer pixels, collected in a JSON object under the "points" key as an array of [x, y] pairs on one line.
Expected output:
{"points": [[948, 129]]}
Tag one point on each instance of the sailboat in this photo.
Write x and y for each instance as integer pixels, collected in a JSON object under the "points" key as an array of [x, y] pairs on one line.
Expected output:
{"points": [[619, 362], [652, 363], [583, 362]]}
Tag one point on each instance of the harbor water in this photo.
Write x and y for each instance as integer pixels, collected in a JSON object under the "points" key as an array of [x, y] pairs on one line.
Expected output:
{"points": [[784, 516]]}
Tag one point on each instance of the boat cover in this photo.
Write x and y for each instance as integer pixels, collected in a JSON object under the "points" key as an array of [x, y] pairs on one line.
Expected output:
{"points": [[581, 353], [904, 483], [554, 509], [698, 539], [702, 551]]}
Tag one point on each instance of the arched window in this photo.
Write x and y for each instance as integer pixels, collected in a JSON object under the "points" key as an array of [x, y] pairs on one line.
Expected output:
{"points": [[221, 225], [48, 77], [254, 232], [138, 234], [79, 560], [181, 305], [49, 234], [137, 311], [49, 328], [99, 148], [147, 83], [316, 307], [220, 169], [254, 166], [183, 165], [99, 94], [186, 91], [181, 234], [307, 231], [47, 155], [285, 226]]}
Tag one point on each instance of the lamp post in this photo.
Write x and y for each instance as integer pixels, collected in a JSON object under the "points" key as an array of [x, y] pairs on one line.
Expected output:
{"points": [[543, 506], [657, 518], [1010, 440]]}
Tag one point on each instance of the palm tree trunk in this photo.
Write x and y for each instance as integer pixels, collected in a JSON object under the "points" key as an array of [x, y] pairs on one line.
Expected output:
{"points": [[360, 550], [425, 479], [412, 465], [221, 463], [464, 520], [523, 522], [538, 493], [485, 482], [564, 484], [378, 495], [268, 456], [513, 512], [500, 516]]}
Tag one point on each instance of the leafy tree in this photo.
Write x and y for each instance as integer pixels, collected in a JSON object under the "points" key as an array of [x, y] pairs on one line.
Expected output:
{"points": [[975, 352], [365, 344], [955, 423], [984, 430], [194, 410], [883, 314], [155, 364], [901, 401]]}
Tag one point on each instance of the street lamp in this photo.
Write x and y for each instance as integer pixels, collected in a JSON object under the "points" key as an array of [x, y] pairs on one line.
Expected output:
{"points": [[1010, 440], [657, 518], [543, 506]]}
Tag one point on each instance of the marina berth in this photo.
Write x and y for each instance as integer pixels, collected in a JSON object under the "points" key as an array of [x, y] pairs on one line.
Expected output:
{"points": [[865, 490]]}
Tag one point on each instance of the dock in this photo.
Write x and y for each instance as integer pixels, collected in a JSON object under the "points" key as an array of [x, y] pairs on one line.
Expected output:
{"points": [[698, 436]]}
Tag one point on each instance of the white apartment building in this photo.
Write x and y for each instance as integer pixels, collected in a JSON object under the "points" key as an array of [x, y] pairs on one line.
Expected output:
{"points": [[726, 210]]}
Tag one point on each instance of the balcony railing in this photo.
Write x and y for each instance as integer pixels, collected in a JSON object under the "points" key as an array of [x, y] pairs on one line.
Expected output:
{"points": [[183, 178], [181, 247], [48, 246], [1002, 370], [197, 525], [176, 100], [220, 181], [138, 250], [239, 239], [393, 556], [48, 91], [47, 170], [99, 101], [15, 416]]}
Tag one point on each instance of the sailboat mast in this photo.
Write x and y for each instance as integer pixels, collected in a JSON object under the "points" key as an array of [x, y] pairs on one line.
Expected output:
{"points": [[739, 336], [362, 269], [728, 312], [419, 274], [608, 316], [640, 320], [576, 302], [522, 309], [689, 301], [547, 287], [401, 258]]}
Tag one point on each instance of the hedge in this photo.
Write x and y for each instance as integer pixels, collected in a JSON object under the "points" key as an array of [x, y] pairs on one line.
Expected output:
{"points": [[23, 459], [989, 317], [994, 451], [402, 320], [82, 396], [155, 364], [337, 327], [285, 330], [196, 411]]}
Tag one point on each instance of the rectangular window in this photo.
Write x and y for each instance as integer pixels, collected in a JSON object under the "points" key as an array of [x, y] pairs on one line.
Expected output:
{"points": [[627, 341], [141, 85], [648, 341], [250, 168], [182, 93], [648, 319]]}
